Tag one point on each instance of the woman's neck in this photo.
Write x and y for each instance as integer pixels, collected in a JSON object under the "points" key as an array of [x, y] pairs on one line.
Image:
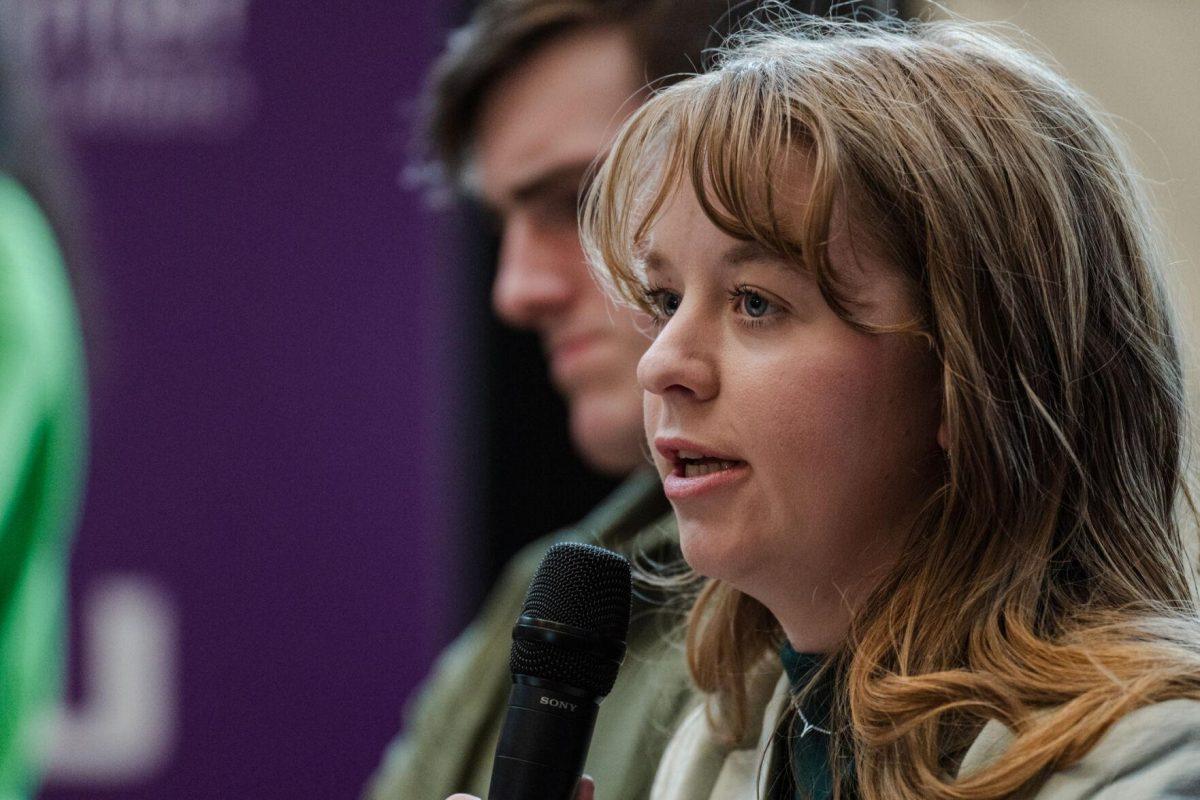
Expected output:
{"points": [[815, 619]]}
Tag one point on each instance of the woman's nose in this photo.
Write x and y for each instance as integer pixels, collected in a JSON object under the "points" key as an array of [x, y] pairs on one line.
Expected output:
{"points": [[681, 360]]}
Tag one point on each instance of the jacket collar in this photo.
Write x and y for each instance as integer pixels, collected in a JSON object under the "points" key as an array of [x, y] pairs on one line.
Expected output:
{"points": [[769, 695]]}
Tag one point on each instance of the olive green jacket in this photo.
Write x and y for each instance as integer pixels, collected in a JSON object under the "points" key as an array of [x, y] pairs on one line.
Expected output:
{"points": [[1150, 754], [438, 753]]}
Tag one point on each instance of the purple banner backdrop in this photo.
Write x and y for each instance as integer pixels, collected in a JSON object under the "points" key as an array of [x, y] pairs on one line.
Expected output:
{"points": [[257, 578]]}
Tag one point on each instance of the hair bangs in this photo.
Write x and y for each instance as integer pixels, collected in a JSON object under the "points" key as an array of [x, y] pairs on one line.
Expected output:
{"points": [[727, 134], [737, 136]]}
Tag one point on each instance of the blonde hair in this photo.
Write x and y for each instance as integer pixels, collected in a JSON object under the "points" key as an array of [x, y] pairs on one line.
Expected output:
{"points": [[1045, 583]]}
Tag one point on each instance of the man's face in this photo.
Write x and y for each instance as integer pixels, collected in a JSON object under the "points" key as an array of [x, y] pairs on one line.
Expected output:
{"points": [[539, 129]]}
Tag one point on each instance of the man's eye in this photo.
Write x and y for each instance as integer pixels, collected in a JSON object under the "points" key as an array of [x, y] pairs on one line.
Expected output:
{"points": [[556, 210]]}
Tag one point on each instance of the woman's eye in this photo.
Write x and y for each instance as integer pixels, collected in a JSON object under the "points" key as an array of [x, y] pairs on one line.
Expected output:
{"points": [[663, 302], [755, 304], [752, 304]]}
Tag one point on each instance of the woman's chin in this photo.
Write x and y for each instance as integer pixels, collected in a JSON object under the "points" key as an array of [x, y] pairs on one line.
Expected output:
{"points": [[710, 554]]}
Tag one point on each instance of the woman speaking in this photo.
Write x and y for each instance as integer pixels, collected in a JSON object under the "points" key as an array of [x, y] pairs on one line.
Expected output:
{"points": [[916, 398]]}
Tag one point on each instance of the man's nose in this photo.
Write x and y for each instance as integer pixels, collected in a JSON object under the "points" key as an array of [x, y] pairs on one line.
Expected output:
{"points": [[681, 362], [535, 276]]}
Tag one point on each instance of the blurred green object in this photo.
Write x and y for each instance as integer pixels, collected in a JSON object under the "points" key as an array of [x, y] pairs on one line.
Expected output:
{"points": [[42, 440]]}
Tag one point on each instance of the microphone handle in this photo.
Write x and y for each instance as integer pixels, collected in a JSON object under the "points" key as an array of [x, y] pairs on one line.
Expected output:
{"points": [[544, 741]]}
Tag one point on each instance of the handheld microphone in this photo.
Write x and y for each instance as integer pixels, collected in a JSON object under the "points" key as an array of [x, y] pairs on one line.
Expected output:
{"points": [[567, 646]]}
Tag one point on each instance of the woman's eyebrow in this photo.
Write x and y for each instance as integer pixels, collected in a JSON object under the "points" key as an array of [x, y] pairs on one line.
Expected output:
{"points": [[653, 261], [734, 256], [746, 252]]}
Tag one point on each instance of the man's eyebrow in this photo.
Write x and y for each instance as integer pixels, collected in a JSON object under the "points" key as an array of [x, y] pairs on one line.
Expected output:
{"points": [[568, 175]]}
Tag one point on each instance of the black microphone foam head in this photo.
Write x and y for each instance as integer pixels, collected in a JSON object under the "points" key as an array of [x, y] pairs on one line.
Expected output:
{"points": [[584, 587]]}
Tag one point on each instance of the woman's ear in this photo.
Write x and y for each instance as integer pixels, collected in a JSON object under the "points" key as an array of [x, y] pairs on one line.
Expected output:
{"points": [[943, 435]]}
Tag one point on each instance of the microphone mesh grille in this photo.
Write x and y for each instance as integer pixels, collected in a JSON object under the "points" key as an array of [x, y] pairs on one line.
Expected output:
{"points": [[584, 586]]}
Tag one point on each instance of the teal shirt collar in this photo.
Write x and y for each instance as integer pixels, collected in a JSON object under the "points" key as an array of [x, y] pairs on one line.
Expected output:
{"points": [[805, 738], [801, 669]]}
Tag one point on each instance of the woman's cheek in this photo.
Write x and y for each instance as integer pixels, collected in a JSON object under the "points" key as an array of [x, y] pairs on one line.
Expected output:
{"points": [[651, 406]]}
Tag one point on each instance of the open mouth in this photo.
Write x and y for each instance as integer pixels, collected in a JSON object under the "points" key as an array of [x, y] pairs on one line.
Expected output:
{"points": [[696, 470], [689, 464]]}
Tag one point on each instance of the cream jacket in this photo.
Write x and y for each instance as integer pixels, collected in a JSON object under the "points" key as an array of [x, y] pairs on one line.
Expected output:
{"points": [[1151, 754]]}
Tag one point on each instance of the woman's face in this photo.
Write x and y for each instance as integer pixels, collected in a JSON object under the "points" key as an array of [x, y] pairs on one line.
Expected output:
{"points": [[793, 448]]}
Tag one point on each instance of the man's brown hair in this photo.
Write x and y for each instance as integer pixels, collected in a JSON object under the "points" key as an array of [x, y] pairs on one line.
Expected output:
{"points": [[668, 38]]}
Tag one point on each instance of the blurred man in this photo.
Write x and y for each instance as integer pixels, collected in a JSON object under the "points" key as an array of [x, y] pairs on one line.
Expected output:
{"points": [[523, 100]]}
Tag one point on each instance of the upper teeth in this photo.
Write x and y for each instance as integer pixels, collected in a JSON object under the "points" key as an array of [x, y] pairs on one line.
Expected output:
{"points": [[696, 470], [689, 454]]}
